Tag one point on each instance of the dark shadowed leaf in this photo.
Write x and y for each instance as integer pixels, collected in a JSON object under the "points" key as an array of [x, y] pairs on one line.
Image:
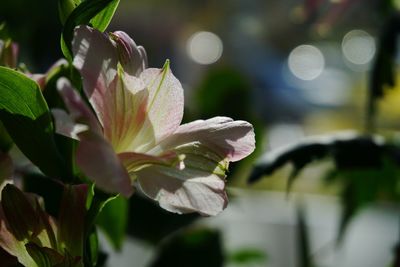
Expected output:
{"points": [[44, 257], [49, 189], [145, 217], [5, 139], [72, 218], [194, 247], [7, 259], [26, 117]]}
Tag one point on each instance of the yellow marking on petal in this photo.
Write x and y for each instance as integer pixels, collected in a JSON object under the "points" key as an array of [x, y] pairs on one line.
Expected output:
{"points": [[165, 69]]}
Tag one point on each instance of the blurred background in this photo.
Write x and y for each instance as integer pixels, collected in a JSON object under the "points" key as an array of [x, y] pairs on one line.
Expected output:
{"points": [[293, 68]]}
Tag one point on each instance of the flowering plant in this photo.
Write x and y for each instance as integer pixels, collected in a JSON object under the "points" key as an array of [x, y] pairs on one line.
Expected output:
{"points": [[99, 124]]}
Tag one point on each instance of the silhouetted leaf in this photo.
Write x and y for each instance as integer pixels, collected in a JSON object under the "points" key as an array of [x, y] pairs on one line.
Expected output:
{"points": [[384, 69], [305, 152], [366, 167], [303, 243]]}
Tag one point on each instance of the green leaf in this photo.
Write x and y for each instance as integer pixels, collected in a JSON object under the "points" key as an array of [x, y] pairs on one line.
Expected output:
{"points": [[96, 200], [26, 117], [113, 220], [65, 8], [248, 256], [91, 248], [44, 257], [84, 14], [103, 19]]}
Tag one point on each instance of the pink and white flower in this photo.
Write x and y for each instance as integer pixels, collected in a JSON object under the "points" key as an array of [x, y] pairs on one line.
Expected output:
{"points": [[134, 135]]}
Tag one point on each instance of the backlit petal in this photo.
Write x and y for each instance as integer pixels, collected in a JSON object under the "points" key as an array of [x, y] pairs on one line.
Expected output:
{"points": [[165, 102], [96, 58], [125, 114], [184, 191], [65, 125], [98, 161], [78, 110], [230, 139]]}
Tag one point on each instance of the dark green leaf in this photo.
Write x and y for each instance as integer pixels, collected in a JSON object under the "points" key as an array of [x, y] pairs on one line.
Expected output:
{"points": [[96, 200], [49, 189], [72, 218], [384, 69], [6, 167], [83, 14], [65, 8], [113, 220], [5, 139], [364, 186], [91, 248], [196, 247], [145, 217], [26, 117]]}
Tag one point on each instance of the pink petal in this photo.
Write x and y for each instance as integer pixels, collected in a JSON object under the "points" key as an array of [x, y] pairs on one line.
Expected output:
{"points": [[230, 139], [184, 191], [140, 111], [10, 244], [165, 101], [96, 58], [132, 57], [98, 161], [78, 109], [65, 125]]}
